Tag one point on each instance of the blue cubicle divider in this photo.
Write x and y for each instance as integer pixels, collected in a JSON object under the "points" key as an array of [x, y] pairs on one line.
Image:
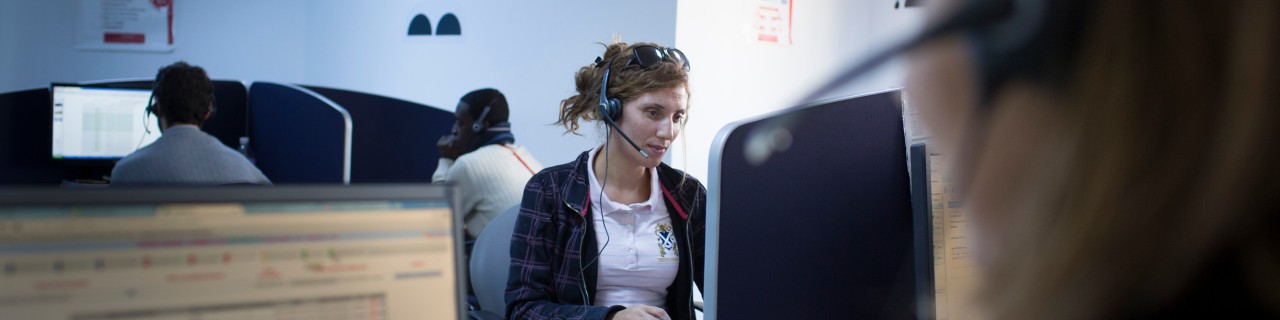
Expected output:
{"points": [[394, 141], [299, 136], [820, 196], [231, 97], [25, 139]]}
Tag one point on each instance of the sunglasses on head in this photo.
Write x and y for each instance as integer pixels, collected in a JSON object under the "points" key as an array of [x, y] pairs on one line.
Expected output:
{"points": [[646, 56]]}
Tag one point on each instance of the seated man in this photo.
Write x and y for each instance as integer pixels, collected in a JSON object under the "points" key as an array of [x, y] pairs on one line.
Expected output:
{"points": [[184, 155], [482, 161]]}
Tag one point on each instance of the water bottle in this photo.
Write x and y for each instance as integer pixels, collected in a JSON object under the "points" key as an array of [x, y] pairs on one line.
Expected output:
{"points": [[244, 149]]}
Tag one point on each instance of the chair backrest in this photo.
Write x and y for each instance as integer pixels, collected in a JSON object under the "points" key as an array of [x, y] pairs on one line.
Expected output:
{"points": [[491, 261]]}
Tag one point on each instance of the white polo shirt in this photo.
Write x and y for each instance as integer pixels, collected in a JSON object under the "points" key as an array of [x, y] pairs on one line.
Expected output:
{"points": [[640, 259]]}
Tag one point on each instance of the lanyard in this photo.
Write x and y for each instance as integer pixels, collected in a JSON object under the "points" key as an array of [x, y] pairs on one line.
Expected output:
{"points": [[513, 152]]}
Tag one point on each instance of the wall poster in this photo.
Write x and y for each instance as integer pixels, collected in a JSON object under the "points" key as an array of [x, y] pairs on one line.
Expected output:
{"points": [[130, 25], [768, 21]]}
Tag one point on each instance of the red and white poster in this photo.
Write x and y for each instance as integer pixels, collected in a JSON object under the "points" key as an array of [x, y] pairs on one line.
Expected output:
{"points": [[768, 21], [132, 25]]}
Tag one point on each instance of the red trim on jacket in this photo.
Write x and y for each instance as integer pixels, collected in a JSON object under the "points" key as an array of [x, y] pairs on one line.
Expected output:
{"points": [[587, 204]]}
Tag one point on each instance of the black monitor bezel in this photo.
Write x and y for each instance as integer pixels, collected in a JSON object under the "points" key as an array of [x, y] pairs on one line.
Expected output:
{"points": [[81, 162], [714, 305]]}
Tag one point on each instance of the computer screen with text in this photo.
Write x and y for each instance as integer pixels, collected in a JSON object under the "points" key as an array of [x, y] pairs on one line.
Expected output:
{"points": [[100, 123], [278, 256]]}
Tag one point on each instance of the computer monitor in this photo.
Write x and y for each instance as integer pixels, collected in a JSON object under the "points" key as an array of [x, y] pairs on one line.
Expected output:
{"points": [[951, 279], [284, 252], [99, 123], [809, 215]]}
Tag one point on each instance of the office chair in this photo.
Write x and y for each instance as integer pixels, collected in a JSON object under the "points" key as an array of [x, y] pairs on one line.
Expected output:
{"points": [[490, 263]]}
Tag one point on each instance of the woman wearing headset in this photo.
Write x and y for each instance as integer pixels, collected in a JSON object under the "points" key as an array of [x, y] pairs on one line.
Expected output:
{"points": [[615, 234], [1122, 163]]}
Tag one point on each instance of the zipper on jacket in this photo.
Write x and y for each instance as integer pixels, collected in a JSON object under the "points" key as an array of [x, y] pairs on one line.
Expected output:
{"points": [[582, 277]]}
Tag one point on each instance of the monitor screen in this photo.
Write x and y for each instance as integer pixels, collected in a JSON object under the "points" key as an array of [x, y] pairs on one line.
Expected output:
{"points": [[95, 122], [955, 280], [820, 194], [330, 252]]}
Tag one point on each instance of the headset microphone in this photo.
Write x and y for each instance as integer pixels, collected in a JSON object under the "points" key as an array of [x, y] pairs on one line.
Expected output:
{"points": [[150, 110], [151, 102], [612, 108]]}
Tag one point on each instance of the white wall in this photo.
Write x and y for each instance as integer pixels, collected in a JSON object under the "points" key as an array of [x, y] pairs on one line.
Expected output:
{"points": [[231, 39], [735, 79], [527, 49]]}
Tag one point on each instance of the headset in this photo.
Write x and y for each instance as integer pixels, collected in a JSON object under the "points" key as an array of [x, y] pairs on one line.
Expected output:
{"points": [[151, 102], [610, 110], [151, 108], [1004, 35]]}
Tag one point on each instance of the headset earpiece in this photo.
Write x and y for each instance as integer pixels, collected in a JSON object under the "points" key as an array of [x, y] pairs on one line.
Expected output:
{"points": [[612, 108], [151, 104], [478, 124], [156, 88]]}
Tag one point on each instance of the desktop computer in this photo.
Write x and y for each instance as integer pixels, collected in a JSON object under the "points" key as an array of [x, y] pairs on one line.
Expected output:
{"points": [[99, 123], [284, 252]]}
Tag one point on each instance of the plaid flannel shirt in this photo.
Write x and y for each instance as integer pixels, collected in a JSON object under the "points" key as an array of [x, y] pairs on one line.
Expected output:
{"points": [[553, 277]]}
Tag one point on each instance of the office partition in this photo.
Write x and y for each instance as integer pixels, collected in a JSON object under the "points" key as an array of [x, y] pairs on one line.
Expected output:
{"points": [[299, 136], [393, 140]]}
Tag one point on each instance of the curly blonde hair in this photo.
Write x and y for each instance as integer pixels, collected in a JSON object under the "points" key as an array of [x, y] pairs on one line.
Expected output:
{"points": [[625, 83]]}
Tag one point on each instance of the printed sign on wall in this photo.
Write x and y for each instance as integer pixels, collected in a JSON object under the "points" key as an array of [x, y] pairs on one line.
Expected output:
{"points": [[768, 21], [131, 25]]}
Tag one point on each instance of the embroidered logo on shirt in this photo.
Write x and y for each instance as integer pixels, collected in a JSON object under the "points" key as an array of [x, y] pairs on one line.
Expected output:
{"points": [[666, 241]]}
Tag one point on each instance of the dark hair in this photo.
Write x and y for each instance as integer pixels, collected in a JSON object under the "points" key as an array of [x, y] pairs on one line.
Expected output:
{"points": [[624, 83], [183, 93], [477, 100]]}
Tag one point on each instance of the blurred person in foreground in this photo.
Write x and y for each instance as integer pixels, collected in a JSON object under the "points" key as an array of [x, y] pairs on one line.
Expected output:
{"points": [[1125, 166]]}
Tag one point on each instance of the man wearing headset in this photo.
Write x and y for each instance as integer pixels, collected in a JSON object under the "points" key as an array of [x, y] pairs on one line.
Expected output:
{"points": [[184, 155], [481, 159]]}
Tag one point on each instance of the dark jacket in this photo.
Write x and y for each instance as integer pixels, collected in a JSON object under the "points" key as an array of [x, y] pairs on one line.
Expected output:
{"points": [[553, 247]]}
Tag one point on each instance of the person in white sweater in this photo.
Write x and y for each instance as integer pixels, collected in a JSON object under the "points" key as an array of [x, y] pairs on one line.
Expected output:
{"points": [[483, 162]]}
